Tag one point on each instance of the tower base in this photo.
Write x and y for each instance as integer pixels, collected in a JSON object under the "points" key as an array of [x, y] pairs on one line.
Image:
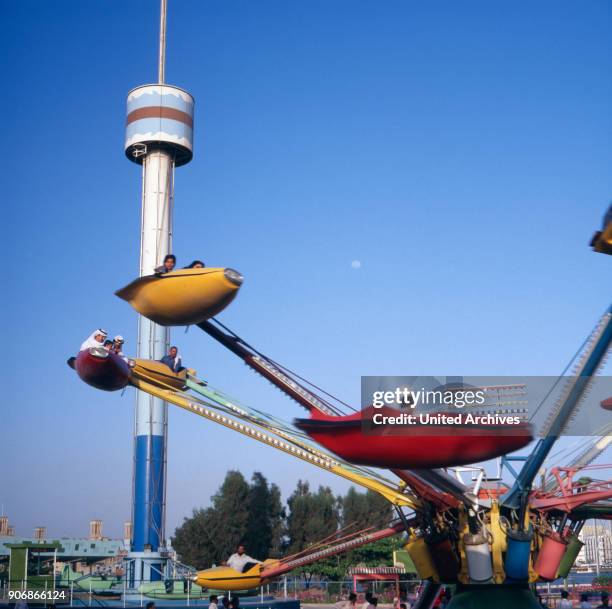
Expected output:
{"points": [[144, 567]]}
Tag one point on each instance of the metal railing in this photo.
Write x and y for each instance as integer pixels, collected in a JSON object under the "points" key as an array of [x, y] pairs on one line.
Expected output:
{"points": [[96, 591], [116, 593], [49, 592]]}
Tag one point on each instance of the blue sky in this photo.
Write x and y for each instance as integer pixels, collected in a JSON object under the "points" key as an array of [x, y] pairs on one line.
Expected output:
{"points": [[459, 151]]}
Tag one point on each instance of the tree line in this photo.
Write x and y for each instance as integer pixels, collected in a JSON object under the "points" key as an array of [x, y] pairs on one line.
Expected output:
{"points": [[253, 513]]}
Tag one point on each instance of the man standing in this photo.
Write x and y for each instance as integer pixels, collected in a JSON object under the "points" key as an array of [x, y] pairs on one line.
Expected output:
{"points": [[95, 339], [239, 561], [173, 360]]}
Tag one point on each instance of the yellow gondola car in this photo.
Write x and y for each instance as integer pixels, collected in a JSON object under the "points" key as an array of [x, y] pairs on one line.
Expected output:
{"points": [[183, 297], [159, 374], [226, 578], [602, 240]]}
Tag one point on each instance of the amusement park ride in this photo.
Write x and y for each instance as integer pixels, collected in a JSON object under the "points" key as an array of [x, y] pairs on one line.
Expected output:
{"points": [[491, 541], [506, 537]]}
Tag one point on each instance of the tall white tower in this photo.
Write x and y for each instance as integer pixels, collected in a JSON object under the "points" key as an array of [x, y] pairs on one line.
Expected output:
{"points": [[159, 136]]}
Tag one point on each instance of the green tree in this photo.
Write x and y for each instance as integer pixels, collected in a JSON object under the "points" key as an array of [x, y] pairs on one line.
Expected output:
{"points": [[361, 510], [194, 539], [312, 516], [354, 509], [365, 510], [277, 517], [252, 514], [230, 513], [212, 534], [378, 553], [265, 516]]}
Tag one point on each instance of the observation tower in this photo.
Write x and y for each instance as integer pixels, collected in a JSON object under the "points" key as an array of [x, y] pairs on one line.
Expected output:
{"points": [[159, 137]]}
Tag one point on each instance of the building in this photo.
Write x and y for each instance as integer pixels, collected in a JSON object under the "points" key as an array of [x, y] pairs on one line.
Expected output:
{"points": [[92, 553], [597, 549]]}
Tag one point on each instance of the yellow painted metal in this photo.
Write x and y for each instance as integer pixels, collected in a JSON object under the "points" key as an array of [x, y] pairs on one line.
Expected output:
{"points": [[603, 241], [317, 458], [464, 529], [159, 374], [180, 298], [499, 544], [228, 579], [268, 425], [535, 547], [421, 557], [225, 578]]}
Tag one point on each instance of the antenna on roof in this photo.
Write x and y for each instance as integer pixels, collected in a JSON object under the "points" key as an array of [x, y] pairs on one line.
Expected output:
{"points": [[162, 42]]}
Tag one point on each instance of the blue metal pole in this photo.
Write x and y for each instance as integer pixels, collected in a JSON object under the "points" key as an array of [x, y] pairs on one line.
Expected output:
{"points": [[151, 413], [534, 462]]}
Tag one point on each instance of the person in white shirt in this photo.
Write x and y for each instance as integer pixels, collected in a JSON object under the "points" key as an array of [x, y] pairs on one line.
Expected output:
{"points": [[584, 601], [239, 560], [212, 601], [95, 339]]}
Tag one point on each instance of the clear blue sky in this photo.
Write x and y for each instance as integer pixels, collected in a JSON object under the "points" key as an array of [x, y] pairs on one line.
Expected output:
{"points": [[460, 151]]}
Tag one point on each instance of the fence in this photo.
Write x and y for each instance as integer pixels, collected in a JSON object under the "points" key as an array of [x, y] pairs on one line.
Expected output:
{"points": [[116, 594], [111, 591]]}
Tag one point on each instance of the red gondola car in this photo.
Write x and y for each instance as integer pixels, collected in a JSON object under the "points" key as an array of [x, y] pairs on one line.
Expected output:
{"points": [[412, 446], [101, 369]]}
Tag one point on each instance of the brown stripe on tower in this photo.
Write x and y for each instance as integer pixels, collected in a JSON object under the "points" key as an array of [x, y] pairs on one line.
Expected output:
{"points": [[159, 112]]}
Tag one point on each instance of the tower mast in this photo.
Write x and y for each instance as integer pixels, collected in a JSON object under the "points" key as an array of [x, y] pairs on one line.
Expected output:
{"points": [[159, 136]]}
